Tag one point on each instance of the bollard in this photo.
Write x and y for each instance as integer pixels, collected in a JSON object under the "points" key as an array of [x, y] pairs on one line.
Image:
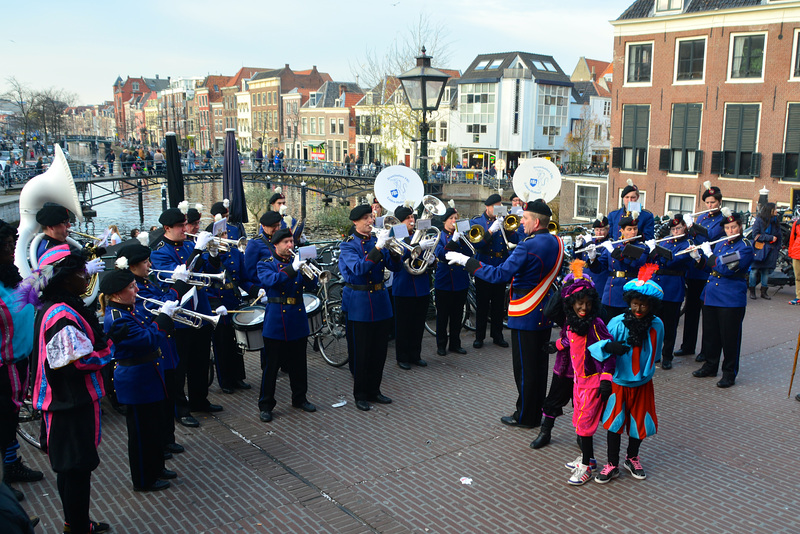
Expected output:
{"points": [[303, 190], [141, 203]]}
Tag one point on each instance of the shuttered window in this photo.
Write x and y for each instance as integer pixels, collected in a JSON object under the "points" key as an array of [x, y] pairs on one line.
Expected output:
{"points": [[635, 133], [685, 139], [740, 159], [792, 148]]}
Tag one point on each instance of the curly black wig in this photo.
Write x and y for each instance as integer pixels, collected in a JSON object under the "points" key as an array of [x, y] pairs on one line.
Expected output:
{"points": [[581, 325]]}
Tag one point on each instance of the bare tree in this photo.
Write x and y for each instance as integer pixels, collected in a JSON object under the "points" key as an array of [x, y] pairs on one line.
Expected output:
{"points": [[26, 102], [49, 111], [579, 141]]}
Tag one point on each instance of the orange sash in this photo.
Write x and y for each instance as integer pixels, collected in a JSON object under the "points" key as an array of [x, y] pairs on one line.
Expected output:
{"points": [[524, 305]]}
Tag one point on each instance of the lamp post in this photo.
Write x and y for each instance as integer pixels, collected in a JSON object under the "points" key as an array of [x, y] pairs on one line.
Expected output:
{"points": [[424, 87]]}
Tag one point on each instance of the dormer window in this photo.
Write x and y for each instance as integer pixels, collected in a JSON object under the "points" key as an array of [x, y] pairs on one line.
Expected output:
{"points": [[496, 64], [663, 6], [482, 65], [312, 99], [135, 86]]}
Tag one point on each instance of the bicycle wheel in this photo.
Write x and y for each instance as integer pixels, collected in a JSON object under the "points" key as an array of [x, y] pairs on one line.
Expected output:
{"points": [[430, 316], [332, 338], [30, 424]]}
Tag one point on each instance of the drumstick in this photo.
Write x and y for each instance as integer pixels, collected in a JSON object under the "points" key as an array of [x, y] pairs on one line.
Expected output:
{"points": [[240, 311]]}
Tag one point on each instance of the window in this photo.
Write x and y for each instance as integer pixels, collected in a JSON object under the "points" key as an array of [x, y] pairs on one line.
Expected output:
{"points": [[443, 131], [586, 201], [551, 132], [313, 126], [607, 108], [739, 145], [341, 126], [598, 132], [668, 5], [680, 204], [305, 125], [736, 206], [338, 150], [551, 112], [482, 65], [476, 128], [747, 56], [321, 121], [690, 60], [685, 138], [496, 64], [789, 161], [477, 103], [254, 99], [515, 129], [135, 86], [333, 125], [635, 133], [640, 63], [796, 55]]}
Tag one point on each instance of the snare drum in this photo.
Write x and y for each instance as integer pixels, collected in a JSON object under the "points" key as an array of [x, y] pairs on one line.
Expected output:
{"points": [[313, 311], [248, 327]]}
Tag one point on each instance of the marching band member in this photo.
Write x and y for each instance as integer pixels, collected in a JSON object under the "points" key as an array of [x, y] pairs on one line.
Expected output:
{"points": [[136, 258], [646, 222], [260, 247], [516, 202], [277, 203], [600, 226], [490, 297], [193, 216], [54, 219], [139, 376], [194, 344], [451, 283], [235, 231], [671, 276], [411, 295], [70, 349], [366, 302], [531, 268], [725, 299], [285, 324], [707, 227]]}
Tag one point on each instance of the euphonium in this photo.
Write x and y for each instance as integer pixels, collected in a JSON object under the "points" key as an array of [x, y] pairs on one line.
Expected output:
{"points": [[419, 260], [476, 233]]}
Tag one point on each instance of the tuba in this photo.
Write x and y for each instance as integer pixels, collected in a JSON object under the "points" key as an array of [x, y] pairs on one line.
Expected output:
{"points": [[55, 185], [419, 260]]}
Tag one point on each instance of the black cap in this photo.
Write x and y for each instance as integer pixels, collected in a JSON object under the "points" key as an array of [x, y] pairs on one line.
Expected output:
{"points": [[448, 213], [733, 217], [135, 252], [280, 235], [269, 218], [600, 223], [276, 197], [171, 217], [676, 220], [493, 199], [628, 188], [52, 214], [712, 191], [218, 207], [628, 220], [359, 211], [116, 281], [513, 196], [539, 206], [402, 213], [192, 215]]}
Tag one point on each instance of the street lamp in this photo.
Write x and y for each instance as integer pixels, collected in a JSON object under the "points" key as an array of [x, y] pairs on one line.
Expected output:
{"points": [[423, 86]]}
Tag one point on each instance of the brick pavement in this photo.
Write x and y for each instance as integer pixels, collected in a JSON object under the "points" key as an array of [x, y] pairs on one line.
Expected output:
{"points": [[720, 463]]}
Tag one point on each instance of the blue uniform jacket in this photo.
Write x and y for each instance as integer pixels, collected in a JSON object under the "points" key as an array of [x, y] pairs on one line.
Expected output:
{"points": [[727, 284], [232, 263], [529, 264], [168, 254], [257, 249], [612, 295], [406, 284], [298, 229], [674, 285], [646, 224], [716, 231], [492, 250], [142, 383], [46, 243], [148, 289], [450, 277], [599, 278], [284, 321], [360, 263], [235, 231]]}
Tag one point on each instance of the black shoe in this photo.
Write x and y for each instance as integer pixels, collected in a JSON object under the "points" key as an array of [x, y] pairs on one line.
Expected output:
{"points": [[726, 382], [510, 420], [16, 471], [420, 363], [158, 485], [166, 474], [478, 343], [241, 384], [265, 417], [211, 408], [682, 352], [458, 350], [382, 399], [189, 421], [363, 405], [306, 407], [544, 433], [34, 520], [441, 352], [167, 455], [174, 447], [797, 397], [501, 343], [227, 391], [99, 526], [666, 365], [704, 372], [404, 365], [700, 357]]}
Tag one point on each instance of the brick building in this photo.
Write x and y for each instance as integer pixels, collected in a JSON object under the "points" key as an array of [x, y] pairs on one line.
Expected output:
{"points": [[327, 122], [209, 92], [706, 90], [127, 95]]}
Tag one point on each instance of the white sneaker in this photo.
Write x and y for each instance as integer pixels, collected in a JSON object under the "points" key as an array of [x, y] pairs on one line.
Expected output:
{"points": [[580, 475], [573, 464]]}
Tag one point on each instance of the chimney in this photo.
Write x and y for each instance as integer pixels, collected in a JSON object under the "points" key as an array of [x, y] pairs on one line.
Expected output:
{"points": [[594, 76], [156, 76], [286, 66], [342, 89]]}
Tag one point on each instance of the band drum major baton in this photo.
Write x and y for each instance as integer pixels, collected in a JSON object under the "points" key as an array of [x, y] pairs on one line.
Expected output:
{"points": [[248, 326]]}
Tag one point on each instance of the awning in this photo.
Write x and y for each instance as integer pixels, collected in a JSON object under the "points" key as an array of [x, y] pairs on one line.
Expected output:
{"points": [[314, 143]]}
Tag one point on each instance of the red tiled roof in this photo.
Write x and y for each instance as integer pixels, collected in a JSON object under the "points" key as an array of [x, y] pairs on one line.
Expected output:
{"points": [[351, 99], [598, 66], [452, 73]]}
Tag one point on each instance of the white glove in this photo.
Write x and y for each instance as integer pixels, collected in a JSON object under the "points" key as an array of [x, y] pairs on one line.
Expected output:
{"points": [[695, 254], [591, 252], [651, 244], [264, 300], [579, 241], [496, 225], [261, 293], [456, 236], [608, 246], [95, 266], [456, 258], [287, 220], [180, 273], [222, 310], [283, 209], [706, 248], [428, 243], [169, 308], [203, 239], [687, 218], [213, 250], [296, 262], [383, 237]]}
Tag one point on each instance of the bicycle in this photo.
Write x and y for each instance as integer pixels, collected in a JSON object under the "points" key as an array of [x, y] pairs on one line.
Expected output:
{"points": [[30, 422], [330, 339]]}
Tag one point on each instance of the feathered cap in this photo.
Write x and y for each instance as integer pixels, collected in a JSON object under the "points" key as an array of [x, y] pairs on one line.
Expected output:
{"points": [[628, 188], [711, 191], [600, 221], [277, 196], [730, 216], [183, 205], [644, 284], [576, 281]]}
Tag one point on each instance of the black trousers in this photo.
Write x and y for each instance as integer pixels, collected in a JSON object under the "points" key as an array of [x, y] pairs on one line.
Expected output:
{"points": [[670, 313], [13, 384], [559, 396], [489, 299], [613, 311], [194, 352], [449, 311], [367, 344], [691, 317], [74, 488], [722, 332], [410, 313], [292, 356], [228, 355], [531, 363], [145, 442], [168, 409]]}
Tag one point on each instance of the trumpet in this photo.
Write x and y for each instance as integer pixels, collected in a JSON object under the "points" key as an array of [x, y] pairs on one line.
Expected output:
{"points": [[182, 315], [311, 271], [224, 245], [397, 246], [195, 279]]}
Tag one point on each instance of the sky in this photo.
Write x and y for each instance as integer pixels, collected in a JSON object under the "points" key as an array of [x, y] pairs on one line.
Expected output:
{"points": [[82, 46]]}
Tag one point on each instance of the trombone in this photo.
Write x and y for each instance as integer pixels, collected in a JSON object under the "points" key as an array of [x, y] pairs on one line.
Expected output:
{"points": [[182, 315], [195, 279], [311, 271], [224, 245], [87, 236]]}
